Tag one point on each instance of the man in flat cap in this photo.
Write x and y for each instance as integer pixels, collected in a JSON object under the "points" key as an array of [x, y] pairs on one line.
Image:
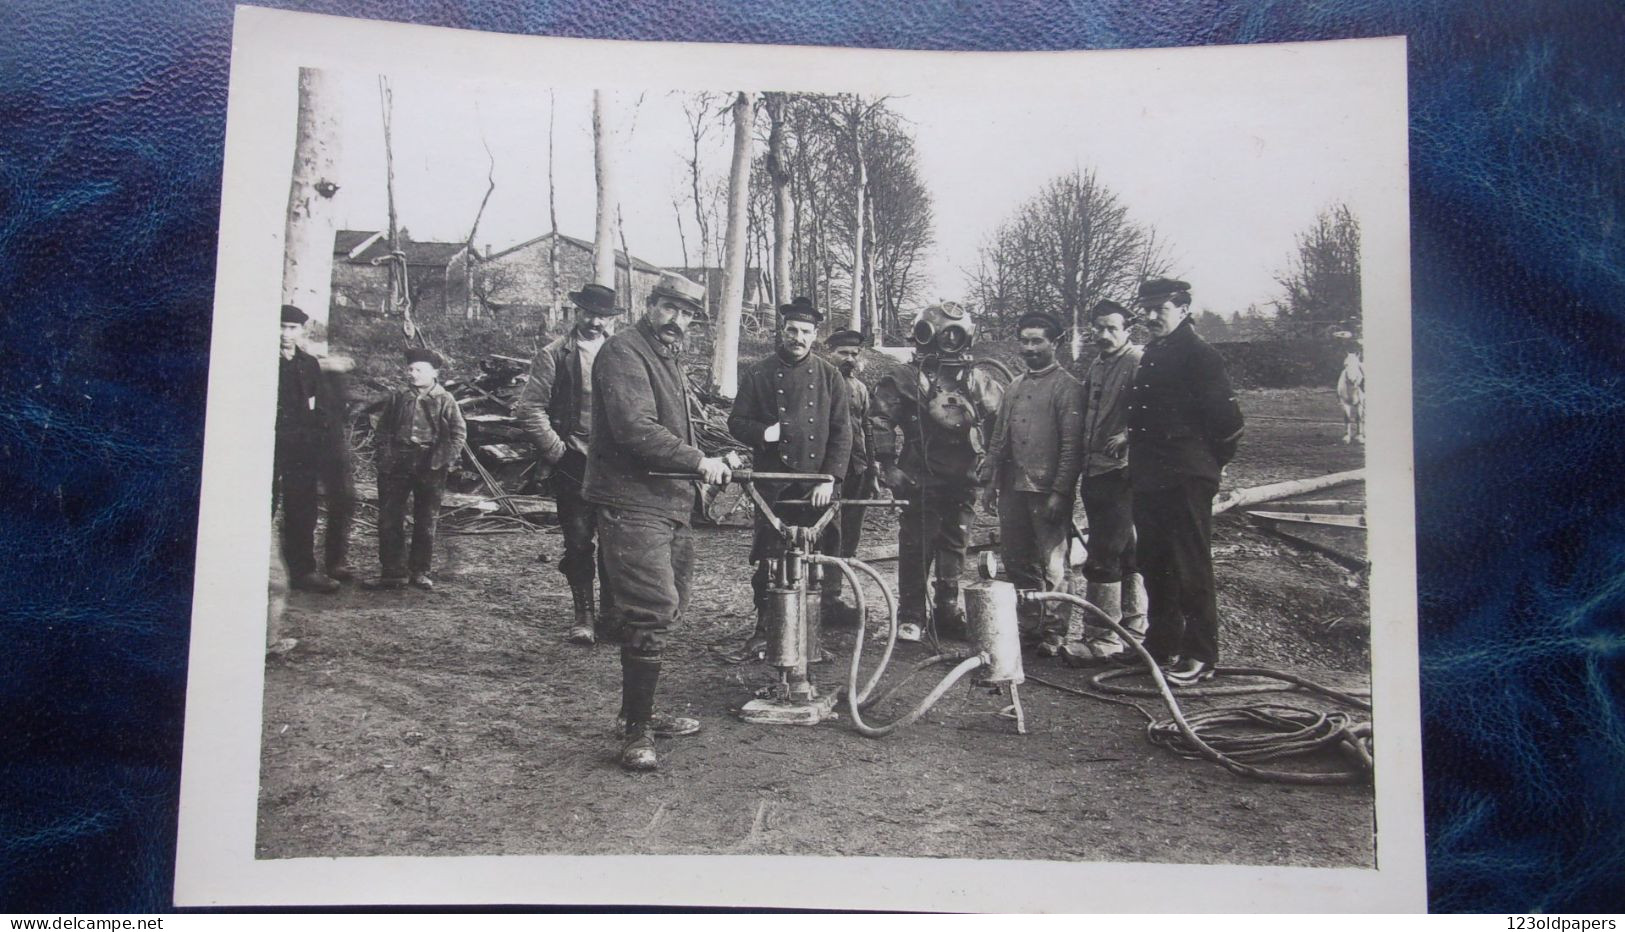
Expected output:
{"points": [[1112, 577], [793, 412], [1031, 476], [1183, 425], [555, 411], [311, 456], [641, 425], [420, 436], [862, 476]]}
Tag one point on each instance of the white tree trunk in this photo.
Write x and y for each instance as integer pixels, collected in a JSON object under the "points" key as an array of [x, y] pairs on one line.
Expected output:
{"points": [[725, 330], [1241, 498], [784, 208], [553, 310], [603, 244], [307, 259], [857, 229]]}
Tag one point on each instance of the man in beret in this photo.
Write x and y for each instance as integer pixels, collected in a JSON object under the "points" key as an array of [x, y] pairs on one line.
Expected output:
{"points": [[420, 436], [1031, 476], [1113, 579], [641, 425], [555, 411], [1183, 427], [311, 456], [862, 476], [793, 412]]}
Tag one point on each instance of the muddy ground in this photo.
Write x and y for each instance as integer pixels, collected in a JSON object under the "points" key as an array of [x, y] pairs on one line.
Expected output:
{"points": [[460, 723]]}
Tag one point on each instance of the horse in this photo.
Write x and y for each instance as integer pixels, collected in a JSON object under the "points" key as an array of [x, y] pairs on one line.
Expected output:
{"points": [[1351, 394]]}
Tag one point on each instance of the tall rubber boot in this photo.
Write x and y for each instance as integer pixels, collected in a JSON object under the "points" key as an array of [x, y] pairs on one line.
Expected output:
{"points": [[640, 674], [1134, 606], [1098, 642], [950, 616]]}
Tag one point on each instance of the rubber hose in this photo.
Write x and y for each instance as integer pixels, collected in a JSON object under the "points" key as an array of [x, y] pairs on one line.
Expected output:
{"points": [[966, 666], [863, 614], [1195, 742]]}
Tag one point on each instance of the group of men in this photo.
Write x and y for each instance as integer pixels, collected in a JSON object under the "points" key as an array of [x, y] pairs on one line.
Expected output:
{"points": [[1142, 438]]}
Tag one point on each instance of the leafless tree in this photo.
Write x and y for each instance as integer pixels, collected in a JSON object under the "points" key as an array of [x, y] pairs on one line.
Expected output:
{"points": [[725, 330], [307, 259]]}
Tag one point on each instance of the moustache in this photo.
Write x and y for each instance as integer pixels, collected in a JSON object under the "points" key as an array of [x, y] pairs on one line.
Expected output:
{"points": [[672, 329]]}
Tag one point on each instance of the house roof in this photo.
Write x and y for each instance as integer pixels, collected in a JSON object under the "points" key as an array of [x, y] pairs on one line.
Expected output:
{"points": [[372, 245], [641, 265]]}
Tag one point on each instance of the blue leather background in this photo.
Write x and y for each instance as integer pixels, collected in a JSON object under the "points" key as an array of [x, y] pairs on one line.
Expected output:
{"points": [[112, 118]]}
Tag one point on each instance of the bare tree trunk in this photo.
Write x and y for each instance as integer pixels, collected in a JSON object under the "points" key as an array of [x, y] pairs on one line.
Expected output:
{"points": [[876, 320], [603, 244], [725, 332], [783, 206], [682, 239], [862, 179], [554, 308], [307, 258]]}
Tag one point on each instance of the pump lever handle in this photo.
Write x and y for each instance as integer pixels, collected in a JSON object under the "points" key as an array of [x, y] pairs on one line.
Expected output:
{"points": [[751, 475], [867, 502]]}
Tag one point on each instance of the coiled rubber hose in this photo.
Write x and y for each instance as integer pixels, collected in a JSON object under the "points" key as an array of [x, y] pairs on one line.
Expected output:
{"points": [[857, 700], [1292, 731]]}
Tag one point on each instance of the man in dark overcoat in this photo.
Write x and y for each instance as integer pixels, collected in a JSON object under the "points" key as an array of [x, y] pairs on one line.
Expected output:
{"points": [[1184, 425], [641, 425], [792, 411], [555, 411], [311, 457]]}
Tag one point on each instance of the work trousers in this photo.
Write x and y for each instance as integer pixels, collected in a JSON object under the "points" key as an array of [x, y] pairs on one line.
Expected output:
{"points": [[1108, 503], [578, 518], [1034, 550], [1175, 532], [934, 530], [648, 561], [306, 472], [402, 476]]}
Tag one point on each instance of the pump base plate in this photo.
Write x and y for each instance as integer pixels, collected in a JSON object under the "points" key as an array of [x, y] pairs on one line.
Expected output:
{"points": [[785, 712]]}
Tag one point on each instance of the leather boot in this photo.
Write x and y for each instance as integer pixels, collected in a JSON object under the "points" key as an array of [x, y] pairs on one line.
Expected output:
{"points": [[950, 616], [640, 675], [582, 632]]}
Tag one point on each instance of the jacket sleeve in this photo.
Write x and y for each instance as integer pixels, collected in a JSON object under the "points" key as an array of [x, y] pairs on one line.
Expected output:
{"points": [[387, 425], [883, 422], [745, 418], [1069, 421], [531, 408], [838, 451], [990, 395], [456, 432], [621, 379], [1217, 410]]}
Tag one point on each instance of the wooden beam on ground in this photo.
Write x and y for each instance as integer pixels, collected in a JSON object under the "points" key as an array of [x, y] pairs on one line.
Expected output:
{"points": [[1304, 517], [1275, 490], [1346, 560]]}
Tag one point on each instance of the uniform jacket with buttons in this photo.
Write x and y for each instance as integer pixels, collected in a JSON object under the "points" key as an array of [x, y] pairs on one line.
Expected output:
{"points": [[641, 424], [931, 454], [548, 409], [808, 400], [1183, 419], [1038, 437], [445, 423], [310, 411]]}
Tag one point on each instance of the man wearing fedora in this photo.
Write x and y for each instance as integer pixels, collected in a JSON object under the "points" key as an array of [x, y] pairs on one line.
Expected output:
{"points": [[311, 458], [641, 425], [1031, 476], [1183, 427], [792, 410], [555, 411], [420, 435]]}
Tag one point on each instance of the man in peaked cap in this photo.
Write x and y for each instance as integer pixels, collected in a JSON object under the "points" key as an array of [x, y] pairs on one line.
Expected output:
{"points": [[1113, 580], [641, 424], [420, 437], [862, 476], [555, 411], [1031, 475], [1183, 427], [792, 410], [311, 457]]}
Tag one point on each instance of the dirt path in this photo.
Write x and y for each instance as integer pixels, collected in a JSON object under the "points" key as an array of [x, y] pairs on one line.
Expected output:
{"points": [[459, 722]]}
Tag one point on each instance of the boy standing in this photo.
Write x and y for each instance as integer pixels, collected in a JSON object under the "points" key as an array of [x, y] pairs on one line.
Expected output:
{"points": [[420, 436]]}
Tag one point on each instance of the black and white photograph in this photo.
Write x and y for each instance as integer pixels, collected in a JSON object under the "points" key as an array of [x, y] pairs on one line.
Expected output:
{"points": [[827, 478]]}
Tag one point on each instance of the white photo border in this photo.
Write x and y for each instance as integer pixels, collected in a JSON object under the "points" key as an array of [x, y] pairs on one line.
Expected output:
{"points": [[215, 863]]}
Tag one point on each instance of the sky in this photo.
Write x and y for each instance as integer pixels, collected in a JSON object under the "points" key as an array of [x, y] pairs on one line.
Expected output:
{"points": [[1228, 163]]}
